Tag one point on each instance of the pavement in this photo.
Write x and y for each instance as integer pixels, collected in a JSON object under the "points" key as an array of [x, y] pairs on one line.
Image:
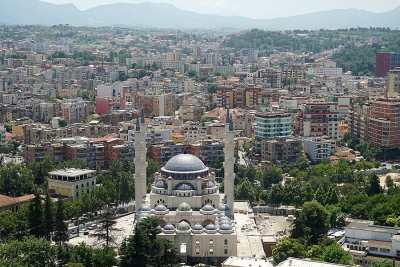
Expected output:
{"points": [[125, 224]]}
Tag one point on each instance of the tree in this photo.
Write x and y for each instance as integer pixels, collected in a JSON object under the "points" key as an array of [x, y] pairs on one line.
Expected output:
{"points": [[373, 185], [106, 230], [191, 73], [35, 216], [381, 263], [245, 191], [48, 217], [212, 89], [335, 254], [302, 163], [144, 248], [28, 252], [60, 227], [311, 220], [288, 247]]}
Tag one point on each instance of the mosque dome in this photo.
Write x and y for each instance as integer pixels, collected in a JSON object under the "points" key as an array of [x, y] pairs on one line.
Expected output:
{"points": [[185, 163], [198, 227], [184, 187], [159, 184], [211, 227], [169, 227], [160, 208], [183, 226], [225, 227], [184, 207], [210, 184], [208, 207]]}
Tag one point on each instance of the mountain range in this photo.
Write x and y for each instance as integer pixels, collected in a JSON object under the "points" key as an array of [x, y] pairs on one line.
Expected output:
{"points": [[163, 15]]}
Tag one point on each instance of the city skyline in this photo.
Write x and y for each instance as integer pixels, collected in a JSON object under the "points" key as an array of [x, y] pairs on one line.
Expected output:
{"points": [[265, 9]]}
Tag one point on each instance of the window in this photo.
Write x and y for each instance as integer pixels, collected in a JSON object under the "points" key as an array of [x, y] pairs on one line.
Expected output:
{"points": [[226, 250], [211, 242], [211, 250], [373, 249], [197, 242], [226, 242], [398, 253], [197, 250], [385, 250]]}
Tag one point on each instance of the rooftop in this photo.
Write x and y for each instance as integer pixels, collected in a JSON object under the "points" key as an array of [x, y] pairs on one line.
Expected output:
{"points": [[71, 172]]}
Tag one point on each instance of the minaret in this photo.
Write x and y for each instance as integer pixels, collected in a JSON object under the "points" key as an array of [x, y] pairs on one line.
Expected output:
{"points": [[140, 162], [143, 128], [229, 175]]}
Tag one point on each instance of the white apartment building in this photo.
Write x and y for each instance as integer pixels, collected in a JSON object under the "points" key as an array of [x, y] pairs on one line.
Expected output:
{"points": [[272, 125], [3, 138], [317, 149], [72, 183], [74, 109], [328, 72]]}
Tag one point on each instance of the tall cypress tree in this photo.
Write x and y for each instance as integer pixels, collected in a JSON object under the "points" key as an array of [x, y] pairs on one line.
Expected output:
{"points": [[35, 216], [60, 227], [47, 217]]}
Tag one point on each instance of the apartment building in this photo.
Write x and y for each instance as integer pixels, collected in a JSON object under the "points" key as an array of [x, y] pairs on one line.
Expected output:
{"points": [[36, 153], [207, 150], [123, 151], [383, 129], [394, 81], [318, 118], [272, 125], [358, 121], [281, 149], [73, 110], [36, 58], [228, 97], [248, 55], [386, 61], [161, 153], [326, 71], [268, 78], [160, 104], [317, 149], [294, 71], [3, 138], [191, 112], [72, 183]]}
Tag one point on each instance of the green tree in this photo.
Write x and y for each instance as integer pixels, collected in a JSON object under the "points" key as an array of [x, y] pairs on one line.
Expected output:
{"points": [[335, 254], [144, 248], [245, 191], [105, 232], [302, 163], [60, 227], [288, 247], [35, 217], [381, 263], [30, 252], [373, 185], [48, 217]]}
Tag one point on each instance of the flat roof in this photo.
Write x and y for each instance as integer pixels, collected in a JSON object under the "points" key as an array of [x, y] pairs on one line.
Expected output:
{"points": [[244, 262], [71, 172], [373, 228], [294, 262], [379, 243]]}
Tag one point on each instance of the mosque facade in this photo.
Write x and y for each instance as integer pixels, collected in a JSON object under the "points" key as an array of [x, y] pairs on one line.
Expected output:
{"points": [[186, 199]]}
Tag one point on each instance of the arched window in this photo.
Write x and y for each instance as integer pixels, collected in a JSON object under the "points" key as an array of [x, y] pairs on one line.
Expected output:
{"points": [[226, 242], [211, 242], [197, 242]]}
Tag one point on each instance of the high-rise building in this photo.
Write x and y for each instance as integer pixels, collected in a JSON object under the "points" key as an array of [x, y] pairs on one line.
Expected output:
{"points": [[394, 80], [386, 61], [272, 125], [383, 128], [74, 109], [318, 118], [228, 97]]}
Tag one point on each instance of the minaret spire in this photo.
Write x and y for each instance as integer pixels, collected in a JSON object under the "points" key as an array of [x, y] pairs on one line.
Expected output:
{"points": [[229, 175], [140, 160]]}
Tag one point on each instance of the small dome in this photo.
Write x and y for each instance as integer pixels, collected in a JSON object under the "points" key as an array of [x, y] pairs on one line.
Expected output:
{"points": [[158, 227], [224, 221], [169, 227], [143, 214], [210, 184], [225, 227], [184, 187], [198, 227], [183, 226], [160, 208], [145, 208], [184, 207], [223, 208], [208, 207], [159, 184], [185, 163], [223, 218], [211, 227]]}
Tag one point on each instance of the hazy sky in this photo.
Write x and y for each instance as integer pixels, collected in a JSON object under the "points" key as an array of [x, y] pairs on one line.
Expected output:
{"points": [[253, 8]]}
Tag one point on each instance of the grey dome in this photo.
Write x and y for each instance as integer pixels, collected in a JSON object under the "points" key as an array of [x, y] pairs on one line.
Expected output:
{"points": [[220, 218], [224, 221], [185, 163], [183, 226], [160, 208], [208, 207], [169, 227], [198, 227], [159, 184], [158, 227], [184, 207], [210, 184], [225, 227], [211, 227], [145, 208], [184, 187], [223, 208]]}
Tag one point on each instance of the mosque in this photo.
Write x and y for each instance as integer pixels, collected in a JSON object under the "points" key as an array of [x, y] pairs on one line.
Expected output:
{"points": [[186, 199]]}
